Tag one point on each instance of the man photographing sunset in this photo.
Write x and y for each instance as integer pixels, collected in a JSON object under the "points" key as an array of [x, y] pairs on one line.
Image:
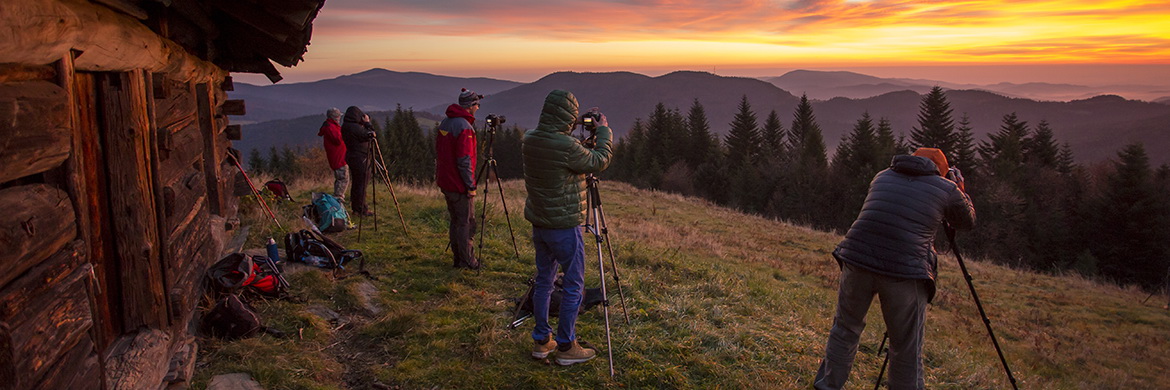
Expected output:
{"points": [[889, 252]]}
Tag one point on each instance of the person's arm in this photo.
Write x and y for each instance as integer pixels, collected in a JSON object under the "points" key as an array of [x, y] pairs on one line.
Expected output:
{"points": [[960, 212], [332, 138], [585, 160], [464, 145]]}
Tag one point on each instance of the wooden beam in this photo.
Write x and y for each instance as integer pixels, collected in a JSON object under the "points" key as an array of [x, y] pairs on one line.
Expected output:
{"points": [[139, 360], [39, 32], [126, 7], [234, 132], [79, 369], [235, 107], [35, 121], [213, 151], [20, 72], [127, 139], [38, 222]]}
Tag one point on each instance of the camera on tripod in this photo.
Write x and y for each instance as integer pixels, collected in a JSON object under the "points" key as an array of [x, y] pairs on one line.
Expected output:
{"points": [[589, 124], [494, 120]]}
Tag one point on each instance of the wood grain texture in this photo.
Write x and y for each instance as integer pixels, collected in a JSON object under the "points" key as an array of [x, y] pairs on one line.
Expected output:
{"points": [[40, 221], [35, 121]]}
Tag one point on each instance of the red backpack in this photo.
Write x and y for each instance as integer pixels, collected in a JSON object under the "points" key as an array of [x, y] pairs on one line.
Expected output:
{"points": [[237, 270]]}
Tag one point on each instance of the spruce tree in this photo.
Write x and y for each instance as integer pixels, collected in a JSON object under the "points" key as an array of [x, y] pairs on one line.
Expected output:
{"points": [[806, 142], [743, 140], [773, 136], [935, 127], [1040, 148], [887, 145], [964, 156], [1003, 153], [255, 162], [1064, 160], [1131, 222], [701, 143], [275, 163]]}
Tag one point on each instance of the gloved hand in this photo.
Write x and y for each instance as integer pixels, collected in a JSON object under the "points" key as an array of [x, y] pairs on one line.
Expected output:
{"points": [[955, 175]]}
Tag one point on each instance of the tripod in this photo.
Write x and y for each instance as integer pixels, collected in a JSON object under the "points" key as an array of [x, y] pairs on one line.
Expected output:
{"points": [[595, 223], [490, 164], [987, 322], [377, 165]]}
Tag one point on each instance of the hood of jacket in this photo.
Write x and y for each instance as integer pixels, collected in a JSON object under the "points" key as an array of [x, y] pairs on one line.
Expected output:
{"points": [[354, 114], [457, 111], [329, 124], [559, 113], [913, 165]]}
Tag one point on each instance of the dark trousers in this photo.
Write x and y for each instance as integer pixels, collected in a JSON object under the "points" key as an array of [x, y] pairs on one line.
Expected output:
{"points": [[462, 211], [359, 172]]}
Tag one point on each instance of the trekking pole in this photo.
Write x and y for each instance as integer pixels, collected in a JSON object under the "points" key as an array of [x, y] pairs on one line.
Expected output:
{"points": [[385, 174], [987, 322], [255, 193], [885, 361]]}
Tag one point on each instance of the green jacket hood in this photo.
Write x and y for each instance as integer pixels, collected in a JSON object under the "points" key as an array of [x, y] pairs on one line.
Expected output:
{"points": [[559, 113]]}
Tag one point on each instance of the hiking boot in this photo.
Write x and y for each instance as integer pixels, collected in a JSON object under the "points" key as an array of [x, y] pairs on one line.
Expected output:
{"points": [[473, 265], [574, 353], [542, 348]]}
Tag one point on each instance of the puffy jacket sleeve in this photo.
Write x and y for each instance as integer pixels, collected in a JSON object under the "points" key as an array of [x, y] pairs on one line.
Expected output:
{"points": [[960, 212], [584, 160], [464, 149]]}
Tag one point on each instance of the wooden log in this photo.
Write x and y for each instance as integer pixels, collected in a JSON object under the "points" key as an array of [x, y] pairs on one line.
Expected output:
{"points": [[235, 107], [126, 7], [213, 151], [39, 222], [35, 121], [186, 155], [40, 32], [43, 314], [127, 139], [79, 369], [234, 132], [138, 361], [189, 257], [21, 72], [182, 200]]}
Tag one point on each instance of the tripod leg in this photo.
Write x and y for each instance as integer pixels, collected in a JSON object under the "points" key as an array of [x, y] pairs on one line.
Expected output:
{"points": [[483, 211], [500, 186], [604, 298], [373, 189], [882, 371], [617, 279], [978, 304]]}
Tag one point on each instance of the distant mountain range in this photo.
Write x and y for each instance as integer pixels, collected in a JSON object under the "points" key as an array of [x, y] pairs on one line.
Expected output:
{"points": [[1096, 127]]}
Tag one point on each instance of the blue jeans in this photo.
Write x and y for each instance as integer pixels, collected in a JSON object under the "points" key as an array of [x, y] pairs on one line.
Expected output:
{"points": [[567, 248]]}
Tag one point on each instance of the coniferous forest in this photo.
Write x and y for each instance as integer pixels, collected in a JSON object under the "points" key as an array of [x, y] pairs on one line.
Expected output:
{"points": [[1037, 207]]}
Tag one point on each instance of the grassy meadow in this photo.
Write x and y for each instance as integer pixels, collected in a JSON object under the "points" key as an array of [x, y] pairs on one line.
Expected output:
{"points": [[716, 299]]}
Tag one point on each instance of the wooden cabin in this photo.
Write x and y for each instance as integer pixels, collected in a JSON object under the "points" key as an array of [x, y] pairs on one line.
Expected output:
{"points": [[114, 177]]}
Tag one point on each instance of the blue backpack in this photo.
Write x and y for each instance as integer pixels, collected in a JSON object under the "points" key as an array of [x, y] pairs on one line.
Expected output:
{"points": [[327, 213]]}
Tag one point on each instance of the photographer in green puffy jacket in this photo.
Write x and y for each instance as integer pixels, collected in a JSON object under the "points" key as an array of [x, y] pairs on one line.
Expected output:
{"points": [[555, 164]]}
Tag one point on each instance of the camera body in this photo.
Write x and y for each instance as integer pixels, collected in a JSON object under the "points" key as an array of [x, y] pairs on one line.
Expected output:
{"points": [[589, 120], [494, 120]]}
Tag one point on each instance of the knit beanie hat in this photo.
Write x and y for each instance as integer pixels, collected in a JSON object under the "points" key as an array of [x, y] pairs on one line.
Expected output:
{"points": [[936, 155], [467, 98]]}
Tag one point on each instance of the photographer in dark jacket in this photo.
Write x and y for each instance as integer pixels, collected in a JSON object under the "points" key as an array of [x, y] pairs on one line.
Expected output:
{"points": [[889, 251], [357, 132]]}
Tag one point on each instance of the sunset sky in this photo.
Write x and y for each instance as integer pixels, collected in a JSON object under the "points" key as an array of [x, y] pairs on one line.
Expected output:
{"points": [[1093, 42]]}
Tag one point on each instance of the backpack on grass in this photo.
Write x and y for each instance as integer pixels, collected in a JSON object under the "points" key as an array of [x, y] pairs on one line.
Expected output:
{"points": [[327, 213], [236, 271], [307, 247]]}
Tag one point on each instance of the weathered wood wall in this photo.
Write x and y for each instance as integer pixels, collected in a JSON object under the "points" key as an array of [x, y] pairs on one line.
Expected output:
{"points": [[116, 183]]}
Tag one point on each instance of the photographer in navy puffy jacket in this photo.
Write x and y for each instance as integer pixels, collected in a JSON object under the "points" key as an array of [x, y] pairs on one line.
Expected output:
{"points": [[889, 252]]}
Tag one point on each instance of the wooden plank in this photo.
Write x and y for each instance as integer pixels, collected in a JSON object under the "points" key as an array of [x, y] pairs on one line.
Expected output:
{"points": [[22, 72], [234, 132], [95, 221], [43, 31], [35, 122], [44, 314], [235, 107], [39, 222], [126, 7], [213, 153], [127, 139], [79, 369], [183, 200]]}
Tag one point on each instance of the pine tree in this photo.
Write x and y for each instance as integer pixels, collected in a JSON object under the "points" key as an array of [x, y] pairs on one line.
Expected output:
{"points": [[1003, 153], [773, 136], [935, 128], [743, 140], [255, 162], [701, 143], [964, 156], [1064, 160], [1131, 222], [887, 145], [1040, 148], [805, 139], [275, 162], [661, 127], [854, 164]]}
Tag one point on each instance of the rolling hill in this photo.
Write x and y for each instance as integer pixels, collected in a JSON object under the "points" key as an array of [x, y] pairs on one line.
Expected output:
{"points": [[372, 90]]}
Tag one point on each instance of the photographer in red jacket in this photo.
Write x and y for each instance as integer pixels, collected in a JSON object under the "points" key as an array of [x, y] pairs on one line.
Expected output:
{"points": [[455, 157], [335, 152]]}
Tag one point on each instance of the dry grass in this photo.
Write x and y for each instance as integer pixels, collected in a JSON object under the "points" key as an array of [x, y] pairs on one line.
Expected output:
{"points": [[716, 299]]}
